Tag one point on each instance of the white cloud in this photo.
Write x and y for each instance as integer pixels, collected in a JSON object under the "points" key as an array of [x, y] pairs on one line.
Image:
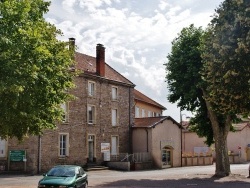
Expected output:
{"points": [[163, 5], [137, 34], [68, 5]]}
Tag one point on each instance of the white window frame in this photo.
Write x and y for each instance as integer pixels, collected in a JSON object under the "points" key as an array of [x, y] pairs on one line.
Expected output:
{"points": [[93, 109], [3, 152], [149, 114], [137, 112], [114, 93], [91, 88], [114, 145], [142, 113], [114, 115], [63, 142]]}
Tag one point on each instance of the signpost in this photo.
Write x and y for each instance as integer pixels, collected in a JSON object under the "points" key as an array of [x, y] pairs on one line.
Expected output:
{"points": [[17, 156]]}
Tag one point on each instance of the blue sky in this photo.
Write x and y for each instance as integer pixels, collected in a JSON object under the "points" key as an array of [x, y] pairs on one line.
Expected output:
{"points": [[137, 35]]}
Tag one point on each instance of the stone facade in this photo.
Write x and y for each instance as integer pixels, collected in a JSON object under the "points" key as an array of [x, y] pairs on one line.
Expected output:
{"points": [[78, 139]]}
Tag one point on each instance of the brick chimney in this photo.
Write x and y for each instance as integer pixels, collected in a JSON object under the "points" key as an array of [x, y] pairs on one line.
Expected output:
{"points": [[72, 42], [100, 60]]}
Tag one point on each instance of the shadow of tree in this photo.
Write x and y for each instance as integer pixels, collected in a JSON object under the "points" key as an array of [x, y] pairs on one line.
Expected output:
{"points": [[233, 181]]}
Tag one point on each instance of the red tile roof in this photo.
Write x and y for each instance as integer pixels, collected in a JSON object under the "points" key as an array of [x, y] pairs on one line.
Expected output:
{"points": [[143, 98], [87, 64], [241, 126], [237, 127], [151, 122]]}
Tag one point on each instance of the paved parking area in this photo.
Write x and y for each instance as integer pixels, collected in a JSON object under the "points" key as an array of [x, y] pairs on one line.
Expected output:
{"points": [[197, 176]]}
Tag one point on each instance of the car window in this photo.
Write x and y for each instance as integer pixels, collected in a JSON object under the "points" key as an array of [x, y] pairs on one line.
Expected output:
{"points": [[69, 173], [65, 172], [55, 172]]}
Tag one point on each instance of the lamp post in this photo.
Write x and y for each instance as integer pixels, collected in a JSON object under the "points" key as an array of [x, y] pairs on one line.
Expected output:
{"points": [[182, 133]]}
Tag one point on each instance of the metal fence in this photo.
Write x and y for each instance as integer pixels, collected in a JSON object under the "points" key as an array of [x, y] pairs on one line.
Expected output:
{"points": [[135, 157]]}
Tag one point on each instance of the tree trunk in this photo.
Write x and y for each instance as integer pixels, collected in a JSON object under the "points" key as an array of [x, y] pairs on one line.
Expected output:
{"points": [[222, 159], [220, 132]]}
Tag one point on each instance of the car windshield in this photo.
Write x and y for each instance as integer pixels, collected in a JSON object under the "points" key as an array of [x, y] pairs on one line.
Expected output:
{"points": [[62, 172]]}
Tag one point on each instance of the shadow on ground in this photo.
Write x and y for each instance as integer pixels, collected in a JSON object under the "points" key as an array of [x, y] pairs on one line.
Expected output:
{"points": [[233, 181]]}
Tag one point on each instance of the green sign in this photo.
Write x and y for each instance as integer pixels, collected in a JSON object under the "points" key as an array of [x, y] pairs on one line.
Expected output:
{"points": [[17, 155]]}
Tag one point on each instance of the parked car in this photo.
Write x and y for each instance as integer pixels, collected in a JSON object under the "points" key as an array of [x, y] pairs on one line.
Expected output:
{"points": [[64, 176]]}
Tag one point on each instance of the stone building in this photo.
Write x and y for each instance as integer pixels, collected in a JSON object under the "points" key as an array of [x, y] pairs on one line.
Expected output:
{"points": [[101, 114]]}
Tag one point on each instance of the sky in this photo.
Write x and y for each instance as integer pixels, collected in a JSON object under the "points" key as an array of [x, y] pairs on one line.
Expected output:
{"points": [[137, 35]]}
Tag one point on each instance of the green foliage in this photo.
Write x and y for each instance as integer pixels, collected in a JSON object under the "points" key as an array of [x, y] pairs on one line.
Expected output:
{"points": [[184, 80], [227, 59], [209, 74], [184, 63], [34, 69]]}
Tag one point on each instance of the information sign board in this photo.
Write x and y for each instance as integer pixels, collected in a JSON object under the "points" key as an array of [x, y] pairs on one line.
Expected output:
{"points": [[17, 155]]}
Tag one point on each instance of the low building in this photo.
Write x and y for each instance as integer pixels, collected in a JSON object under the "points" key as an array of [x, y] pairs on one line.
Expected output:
{"points": [[238, 143], [161, 137], [158, 135]]}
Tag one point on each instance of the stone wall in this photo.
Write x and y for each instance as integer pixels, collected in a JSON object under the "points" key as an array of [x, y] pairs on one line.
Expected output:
{"points": [[78, 130], [119, 165]]}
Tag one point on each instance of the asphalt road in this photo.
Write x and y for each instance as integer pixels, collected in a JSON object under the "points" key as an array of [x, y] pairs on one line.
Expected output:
{"points": [[188, 177]]}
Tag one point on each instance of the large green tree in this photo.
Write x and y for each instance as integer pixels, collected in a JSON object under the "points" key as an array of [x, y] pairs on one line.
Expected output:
{"points": [[34, 69], [227, 57], [190, 91]]}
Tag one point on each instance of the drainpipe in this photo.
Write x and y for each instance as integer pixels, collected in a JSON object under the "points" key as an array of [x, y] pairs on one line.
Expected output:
{"points": [[130, 147], [181, 134], [147, 138], [39, 155]]}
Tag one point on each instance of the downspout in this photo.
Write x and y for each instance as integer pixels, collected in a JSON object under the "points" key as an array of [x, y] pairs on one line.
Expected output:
{"points": [[181, 135], [130, 147], [181, 147], [39, 155], [147, 138]]}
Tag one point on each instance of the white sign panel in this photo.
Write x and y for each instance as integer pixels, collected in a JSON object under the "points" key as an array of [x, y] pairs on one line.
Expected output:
{"points": [[105, 147], [200, 150], [106, 156]]}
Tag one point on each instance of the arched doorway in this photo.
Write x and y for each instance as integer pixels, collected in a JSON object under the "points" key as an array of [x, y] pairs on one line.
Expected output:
{"points": [[167, 157]]}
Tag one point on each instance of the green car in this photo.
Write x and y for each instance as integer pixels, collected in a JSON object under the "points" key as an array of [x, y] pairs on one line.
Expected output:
{"points": [[64, 176]]}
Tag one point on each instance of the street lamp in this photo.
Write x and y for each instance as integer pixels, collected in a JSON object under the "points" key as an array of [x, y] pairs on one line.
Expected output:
{"points": [[182, 132]]}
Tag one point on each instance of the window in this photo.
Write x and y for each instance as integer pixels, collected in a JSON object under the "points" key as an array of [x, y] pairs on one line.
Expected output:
{"points": [[137, 111], [114, 93], [2, 148], [149, 114], [114, 145], [63, 144], [142, 113], [91, 88], [64, 107], [91, 114], [114, 117]]}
